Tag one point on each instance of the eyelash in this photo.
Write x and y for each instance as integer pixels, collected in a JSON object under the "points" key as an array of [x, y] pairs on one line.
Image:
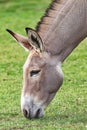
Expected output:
{"points": [[34, 72]]}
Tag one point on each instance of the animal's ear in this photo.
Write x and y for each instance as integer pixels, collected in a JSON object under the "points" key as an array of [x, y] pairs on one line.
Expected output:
{"points": [[23, 41], [34, 39]]}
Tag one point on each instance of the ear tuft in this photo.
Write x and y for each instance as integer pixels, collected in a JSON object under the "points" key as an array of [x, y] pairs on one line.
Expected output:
{"points": [[34, 39]]}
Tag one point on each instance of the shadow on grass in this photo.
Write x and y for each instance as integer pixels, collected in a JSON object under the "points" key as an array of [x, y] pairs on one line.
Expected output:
{"points": [[58, 118], [16, 121], [63, 118]]}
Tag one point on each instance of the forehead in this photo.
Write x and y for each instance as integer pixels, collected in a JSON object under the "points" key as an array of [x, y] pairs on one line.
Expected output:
{"points": [[34, 60]]}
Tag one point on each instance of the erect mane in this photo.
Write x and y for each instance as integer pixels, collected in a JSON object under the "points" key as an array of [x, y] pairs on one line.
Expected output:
{"points": [[49, 17]]}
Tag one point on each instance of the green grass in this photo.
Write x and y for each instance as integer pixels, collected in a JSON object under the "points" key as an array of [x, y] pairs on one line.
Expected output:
{"points": [[68, 110]]}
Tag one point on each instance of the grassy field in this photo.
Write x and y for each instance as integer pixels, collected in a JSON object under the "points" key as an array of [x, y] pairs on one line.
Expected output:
{"points": [[68, 111]]}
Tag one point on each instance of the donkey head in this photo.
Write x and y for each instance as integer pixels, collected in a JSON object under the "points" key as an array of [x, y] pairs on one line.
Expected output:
{"points": [[42, 75]]}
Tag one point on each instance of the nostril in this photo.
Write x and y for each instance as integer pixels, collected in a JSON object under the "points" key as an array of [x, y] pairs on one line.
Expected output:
{"points": [[38, 113], [25, 112], [33, 114]]}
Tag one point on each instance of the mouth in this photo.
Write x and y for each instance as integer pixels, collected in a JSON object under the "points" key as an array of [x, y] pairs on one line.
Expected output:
{"points": [[33, 114]]}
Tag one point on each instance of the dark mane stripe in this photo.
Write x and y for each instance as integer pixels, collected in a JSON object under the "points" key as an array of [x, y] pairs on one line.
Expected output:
{"points": [[50, 14]]}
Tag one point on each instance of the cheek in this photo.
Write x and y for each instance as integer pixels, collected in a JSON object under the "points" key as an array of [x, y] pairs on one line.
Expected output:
{"points": [[53, 82]]}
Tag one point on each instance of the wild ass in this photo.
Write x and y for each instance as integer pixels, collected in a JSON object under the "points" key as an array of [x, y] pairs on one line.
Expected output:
{"points": [[60, 30]]}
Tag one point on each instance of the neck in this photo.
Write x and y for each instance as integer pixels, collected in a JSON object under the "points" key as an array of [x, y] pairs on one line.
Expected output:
{"points": [[68, 29]]}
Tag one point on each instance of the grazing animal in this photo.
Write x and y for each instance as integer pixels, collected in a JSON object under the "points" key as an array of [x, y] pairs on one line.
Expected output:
{"points": [[59, 32]]}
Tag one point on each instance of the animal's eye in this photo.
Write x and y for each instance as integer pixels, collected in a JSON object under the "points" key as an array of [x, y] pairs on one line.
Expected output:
{"points": [[34, 72]]}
